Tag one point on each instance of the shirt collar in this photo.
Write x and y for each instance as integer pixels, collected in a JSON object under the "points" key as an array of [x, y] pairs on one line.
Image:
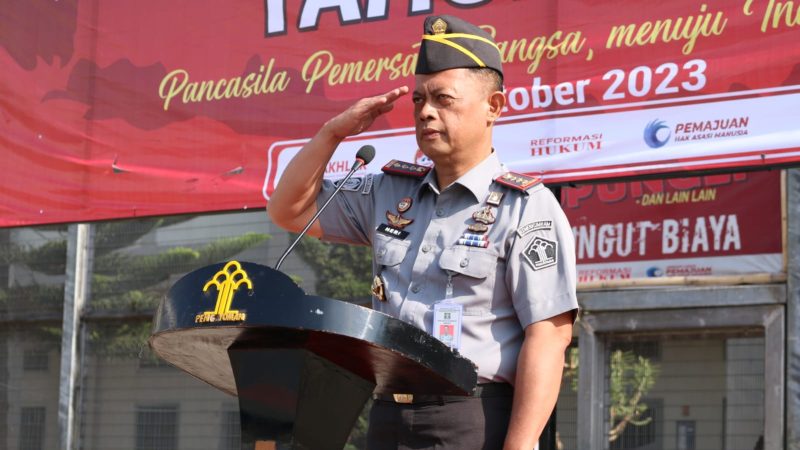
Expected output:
{"points": [[477, 180], [480, 177]]}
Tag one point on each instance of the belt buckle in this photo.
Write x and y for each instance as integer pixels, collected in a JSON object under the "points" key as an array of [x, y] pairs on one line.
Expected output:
{"points": [[403, 398]]}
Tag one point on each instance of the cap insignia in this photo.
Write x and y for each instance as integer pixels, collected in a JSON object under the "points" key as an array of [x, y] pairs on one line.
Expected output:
{"points": [[439, 26]]}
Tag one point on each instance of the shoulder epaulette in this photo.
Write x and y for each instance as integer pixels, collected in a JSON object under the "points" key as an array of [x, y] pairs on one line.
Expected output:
{"points": [[518, 181], [406, 169]]}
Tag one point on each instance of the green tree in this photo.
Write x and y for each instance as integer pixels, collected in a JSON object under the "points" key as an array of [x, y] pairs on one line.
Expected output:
{"points": [[20, 301], [344, 272], [121, 282], [631, 377]]}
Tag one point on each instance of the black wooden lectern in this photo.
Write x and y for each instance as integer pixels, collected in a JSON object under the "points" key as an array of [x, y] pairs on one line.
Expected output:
{"points": [[302, 366]]}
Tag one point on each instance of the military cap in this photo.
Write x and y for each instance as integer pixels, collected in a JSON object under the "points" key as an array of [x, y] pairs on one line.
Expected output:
{"points": [[451, 43]]}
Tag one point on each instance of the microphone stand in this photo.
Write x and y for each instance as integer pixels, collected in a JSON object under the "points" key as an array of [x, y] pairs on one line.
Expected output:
{"points": [[357, 165]]}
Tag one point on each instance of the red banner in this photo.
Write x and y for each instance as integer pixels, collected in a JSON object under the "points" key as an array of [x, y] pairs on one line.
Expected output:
{"points": [[713, 225], [122, 109]]}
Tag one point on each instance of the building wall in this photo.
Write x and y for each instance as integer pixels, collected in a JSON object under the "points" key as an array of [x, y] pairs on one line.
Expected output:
{"points": [[30, 388], [118, 388]]}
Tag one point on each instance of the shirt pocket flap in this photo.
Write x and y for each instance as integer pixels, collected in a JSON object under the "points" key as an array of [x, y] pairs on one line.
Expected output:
{"points": [[390, 251], [470, 261]]}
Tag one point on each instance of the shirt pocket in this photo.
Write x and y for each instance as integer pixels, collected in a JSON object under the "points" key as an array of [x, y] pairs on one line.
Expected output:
{"points": [[390, 251], [474, 272]]}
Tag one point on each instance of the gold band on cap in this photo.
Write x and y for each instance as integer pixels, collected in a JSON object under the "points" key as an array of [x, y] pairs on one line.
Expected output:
{"points": [[465, 36], [444, 39]]}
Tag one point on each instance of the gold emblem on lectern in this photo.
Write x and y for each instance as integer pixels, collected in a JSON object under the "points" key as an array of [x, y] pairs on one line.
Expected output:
{"points": [[227, 281]]}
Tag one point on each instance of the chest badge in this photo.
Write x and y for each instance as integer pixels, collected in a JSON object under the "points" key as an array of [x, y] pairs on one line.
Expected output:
{"points": [[378, 288], [494, 198], [404, 204], [485, 215], [478, 227], [473, 240], [397, 220]]}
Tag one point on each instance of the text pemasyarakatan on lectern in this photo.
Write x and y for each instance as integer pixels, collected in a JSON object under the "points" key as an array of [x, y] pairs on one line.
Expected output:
{"points": [[302, 366]]}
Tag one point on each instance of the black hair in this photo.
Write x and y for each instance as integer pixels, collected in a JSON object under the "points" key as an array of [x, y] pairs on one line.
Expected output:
{"points": [[492, 78]]}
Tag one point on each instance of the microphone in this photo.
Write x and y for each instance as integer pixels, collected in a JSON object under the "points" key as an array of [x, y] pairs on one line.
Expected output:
{"points": [[363, 157]]}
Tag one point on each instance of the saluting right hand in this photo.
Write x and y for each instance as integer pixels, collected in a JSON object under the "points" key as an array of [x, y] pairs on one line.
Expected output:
{"points": [[363, 113]]}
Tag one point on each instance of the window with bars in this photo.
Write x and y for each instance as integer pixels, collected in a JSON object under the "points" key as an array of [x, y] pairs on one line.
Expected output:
{"points": [[35, 360], [157, 428], [31, 429], [646, 436]]}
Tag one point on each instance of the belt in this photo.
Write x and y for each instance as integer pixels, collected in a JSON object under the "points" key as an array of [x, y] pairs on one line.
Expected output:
{"points": [[482, 390]]}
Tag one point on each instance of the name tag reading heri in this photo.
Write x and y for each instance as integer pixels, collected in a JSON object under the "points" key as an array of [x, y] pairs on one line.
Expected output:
{"points": [[447, 323], [392, 231]]}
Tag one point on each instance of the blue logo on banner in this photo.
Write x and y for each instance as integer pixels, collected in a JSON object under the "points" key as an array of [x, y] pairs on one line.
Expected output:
{"points": [[654, 272], [651, 134]]}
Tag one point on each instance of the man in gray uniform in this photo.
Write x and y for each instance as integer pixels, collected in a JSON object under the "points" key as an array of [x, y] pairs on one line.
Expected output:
{"points": [[480, 257]]}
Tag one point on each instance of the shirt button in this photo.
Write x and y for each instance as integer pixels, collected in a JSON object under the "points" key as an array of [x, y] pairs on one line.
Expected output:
{"points": [[440, 212], [415, 289], [426, 248], [464, 262]]}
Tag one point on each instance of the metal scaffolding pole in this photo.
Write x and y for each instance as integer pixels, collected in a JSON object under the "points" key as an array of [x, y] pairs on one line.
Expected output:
{"points": [[76, 291]]}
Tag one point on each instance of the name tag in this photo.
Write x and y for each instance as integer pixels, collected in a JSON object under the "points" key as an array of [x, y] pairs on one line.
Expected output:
{"points": [[447, 323], [392, 231]]}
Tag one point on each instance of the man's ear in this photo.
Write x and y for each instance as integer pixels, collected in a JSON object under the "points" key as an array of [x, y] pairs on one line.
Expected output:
{"points": [[497, 101]]}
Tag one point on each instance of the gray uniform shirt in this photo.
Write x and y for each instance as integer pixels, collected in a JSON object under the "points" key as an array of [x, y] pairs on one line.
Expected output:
{"points": [[526, 274]]}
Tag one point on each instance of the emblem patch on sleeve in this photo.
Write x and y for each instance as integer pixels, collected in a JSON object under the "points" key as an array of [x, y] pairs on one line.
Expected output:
{"points": [[541, 253], [356, 184], [353, 184], [534, 226]]}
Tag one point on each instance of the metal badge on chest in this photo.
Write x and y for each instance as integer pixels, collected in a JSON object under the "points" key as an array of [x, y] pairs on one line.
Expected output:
{"points": [[396, 220], [393, 229], [477, 232]]}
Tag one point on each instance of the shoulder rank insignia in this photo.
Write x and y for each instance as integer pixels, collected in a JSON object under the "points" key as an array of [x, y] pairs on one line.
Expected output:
{"points": [[407, 169], [518, 181]]}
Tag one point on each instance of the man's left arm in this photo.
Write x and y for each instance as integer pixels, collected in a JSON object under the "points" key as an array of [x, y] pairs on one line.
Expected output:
{"points": [[538, 380]]}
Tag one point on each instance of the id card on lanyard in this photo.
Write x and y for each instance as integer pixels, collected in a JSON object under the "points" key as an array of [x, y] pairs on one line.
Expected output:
{"points": [[447, 317]]}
